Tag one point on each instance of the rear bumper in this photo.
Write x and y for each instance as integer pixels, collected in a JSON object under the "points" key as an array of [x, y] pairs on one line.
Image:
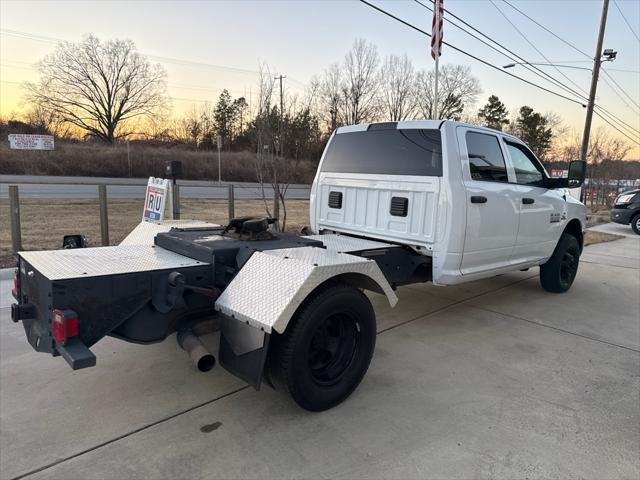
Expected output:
{"points": [[621, 215]]}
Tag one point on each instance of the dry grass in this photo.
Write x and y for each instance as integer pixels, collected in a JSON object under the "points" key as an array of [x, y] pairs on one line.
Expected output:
{"points": [[44, 222], [99, 160]]}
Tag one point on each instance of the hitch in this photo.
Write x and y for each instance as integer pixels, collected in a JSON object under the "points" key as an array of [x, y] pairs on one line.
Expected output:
{"points": [[169, 294]]}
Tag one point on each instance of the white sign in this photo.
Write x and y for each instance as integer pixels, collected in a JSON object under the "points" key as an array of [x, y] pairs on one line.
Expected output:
{"points": [[155, 201], [559, 173], [20, 141]]}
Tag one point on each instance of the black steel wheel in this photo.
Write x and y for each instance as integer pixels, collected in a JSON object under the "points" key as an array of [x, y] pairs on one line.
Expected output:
{"points": [[558, 274], [326, 350]]}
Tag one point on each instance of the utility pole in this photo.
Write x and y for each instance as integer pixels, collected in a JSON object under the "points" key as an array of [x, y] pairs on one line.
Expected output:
{"points": [[281, 77], [597, 61]]}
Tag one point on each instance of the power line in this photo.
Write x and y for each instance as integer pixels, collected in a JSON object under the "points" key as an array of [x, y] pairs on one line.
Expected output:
{"points": [[621, 89], [616, 128], [626, 21], [413, 27], [535, 48], [469, 54], [525, 64], [624, 125], [618, 94], [605, 111], [547, 30], [17, 33]]}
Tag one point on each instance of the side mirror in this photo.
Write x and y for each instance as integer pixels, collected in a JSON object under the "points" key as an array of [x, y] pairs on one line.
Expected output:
{"points": [[575, 176], [577, 172]]}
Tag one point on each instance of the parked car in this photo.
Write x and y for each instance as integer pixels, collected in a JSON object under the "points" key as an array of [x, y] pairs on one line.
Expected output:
{"points": [[626, 209]]}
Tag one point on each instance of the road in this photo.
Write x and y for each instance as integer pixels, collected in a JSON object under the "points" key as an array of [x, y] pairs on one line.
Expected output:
{"points": [[492, 379], [85, 187]]}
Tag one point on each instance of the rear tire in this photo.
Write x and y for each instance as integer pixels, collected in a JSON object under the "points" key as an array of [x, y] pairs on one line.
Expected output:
{"points": [[327, 347], [558, 274], [635, 224]]}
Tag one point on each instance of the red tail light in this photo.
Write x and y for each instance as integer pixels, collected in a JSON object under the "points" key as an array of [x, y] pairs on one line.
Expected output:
{"points": [[64, 325], [16, 284]]}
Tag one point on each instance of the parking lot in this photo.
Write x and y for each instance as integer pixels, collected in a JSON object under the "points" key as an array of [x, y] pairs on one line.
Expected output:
{"points": [[491, 379]]}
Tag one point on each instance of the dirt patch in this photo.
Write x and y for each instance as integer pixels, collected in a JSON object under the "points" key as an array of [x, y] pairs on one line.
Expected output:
{"points": [[45, 221], [591, 237]]}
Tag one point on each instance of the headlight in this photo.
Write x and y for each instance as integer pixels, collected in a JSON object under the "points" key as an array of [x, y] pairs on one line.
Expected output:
{"points": [[624, 198]]}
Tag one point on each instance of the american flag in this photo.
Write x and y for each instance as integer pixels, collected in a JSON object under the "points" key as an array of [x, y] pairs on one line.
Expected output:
{"points": [[436, 28]]}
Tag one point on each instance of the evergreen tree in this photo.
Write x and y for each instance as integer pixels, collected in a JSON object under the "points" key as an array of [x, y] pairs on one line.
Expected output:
{"points": [[494, 113], [224, 115], [532, 128]]}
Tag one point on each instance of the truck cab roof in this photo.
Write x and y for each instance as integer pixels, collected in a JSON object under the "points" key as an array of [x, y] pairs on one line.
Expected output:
{"points": [[419, 125]]}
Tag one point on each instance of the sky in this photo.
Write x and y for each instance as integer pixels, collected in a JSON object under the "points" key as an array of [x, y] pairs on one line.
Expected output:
{"points": [[206, 46]]}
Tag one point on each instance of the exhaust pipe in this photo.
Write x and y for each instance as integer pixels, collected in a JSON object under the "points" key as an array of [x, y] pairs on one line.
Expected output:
{"points": [[201, 357]]}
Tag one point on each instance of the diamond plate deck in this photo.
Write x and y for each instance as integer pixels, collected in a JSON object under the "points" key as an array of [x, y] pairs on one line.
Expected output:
{"points": [[98, 261], [145, 232], [344, 243], [272, 284]]}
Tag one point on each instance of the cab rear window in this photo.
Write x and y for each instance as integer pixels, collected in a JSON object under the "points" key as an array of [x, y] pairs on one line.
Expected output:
{"points": [[386, 151]]}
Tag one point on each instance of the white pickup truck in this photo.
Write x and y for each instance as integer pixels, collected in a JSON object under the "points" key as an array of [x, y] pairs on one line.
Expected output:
{"points": [[391, 204]]}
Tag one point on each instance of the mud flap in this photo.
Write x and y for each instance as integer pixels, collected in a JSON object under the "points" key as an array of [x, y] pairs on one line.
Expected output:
{"points": [[243, 350]]}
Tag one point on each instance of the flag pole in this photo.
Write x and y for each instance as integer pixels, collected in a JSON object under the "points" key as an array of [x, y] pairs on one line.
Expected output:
{"points": [[436, 45], [435, 93]]}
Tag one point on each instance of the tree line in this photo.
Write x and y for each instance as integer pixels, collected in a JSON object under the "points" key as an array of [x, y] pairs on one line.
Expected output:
{"points": [[107, 91]]}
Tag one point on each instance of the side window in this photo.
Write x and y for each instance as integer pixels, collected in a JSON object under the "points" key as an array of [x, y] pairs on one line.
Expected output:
{"points": [[528, 170], [486, 162]]}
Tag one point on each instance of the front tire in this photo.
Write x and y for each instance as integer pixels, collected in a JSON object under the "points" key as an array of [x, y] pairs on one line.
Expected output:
{"points": [[635, 224], [558, 274], [327, 347]]}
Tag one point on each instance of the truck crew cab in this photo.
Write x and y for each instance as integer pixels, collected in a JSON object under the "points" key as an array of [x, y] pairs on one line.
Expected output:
{"points": [[391, 204]]}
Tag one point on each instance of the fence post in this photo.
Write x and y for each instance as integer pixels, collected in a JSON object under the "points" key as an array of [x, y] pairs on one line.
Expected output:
{"points": [[176, 201], [231, 201], [14, 212], [104, 215]]}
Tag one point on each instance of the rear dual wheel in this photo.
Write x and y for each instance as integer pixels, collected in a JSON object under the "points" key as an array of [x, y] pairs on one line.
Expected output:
{"points": [[327, 347]]}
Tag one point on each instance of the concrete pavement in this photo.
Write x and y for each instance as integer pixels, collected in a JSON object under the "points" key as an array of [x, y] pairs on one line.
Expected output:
{"points": [[489, 379], [615, 229]]}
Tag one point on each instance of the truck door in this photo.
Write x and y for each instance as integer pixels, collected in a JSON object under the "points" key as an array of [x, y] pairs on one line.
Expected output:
{"points": [[543, 212], [492, 212]]}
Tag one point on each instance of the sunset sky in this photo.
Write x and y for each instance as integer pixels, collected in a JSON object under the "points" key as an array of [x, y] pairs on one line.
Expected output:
{"points": [[208, 46]]}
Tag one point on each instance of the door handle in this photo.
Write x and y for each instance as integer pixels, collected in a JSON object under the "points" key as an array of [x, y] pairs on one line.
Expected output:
{"points": [[478, 199], [528, 201]]}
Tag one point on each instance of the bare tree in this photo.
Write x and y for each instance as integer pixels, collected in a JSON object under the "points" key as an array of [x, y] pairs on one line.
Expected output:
{"points": [[457, 89], [361, 83], [48, 120], [398, 88], [99, 86], [604, 156], [330, 92]]}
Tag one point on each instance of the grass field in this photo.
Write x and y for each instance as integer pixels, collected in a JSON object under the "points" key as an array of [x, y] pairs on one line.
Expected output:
{"points": [[44, 222]]}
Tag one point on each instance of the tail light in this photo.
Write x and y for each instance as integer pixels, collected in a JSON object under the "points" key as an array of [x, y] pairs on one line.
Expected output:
{"points": [[64, 325], [16, 285]]}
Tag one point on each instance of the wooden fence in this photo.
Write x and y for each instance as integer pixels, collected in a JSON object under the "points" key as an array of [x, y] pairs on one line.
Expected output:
{"points": [[14, 211]]}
